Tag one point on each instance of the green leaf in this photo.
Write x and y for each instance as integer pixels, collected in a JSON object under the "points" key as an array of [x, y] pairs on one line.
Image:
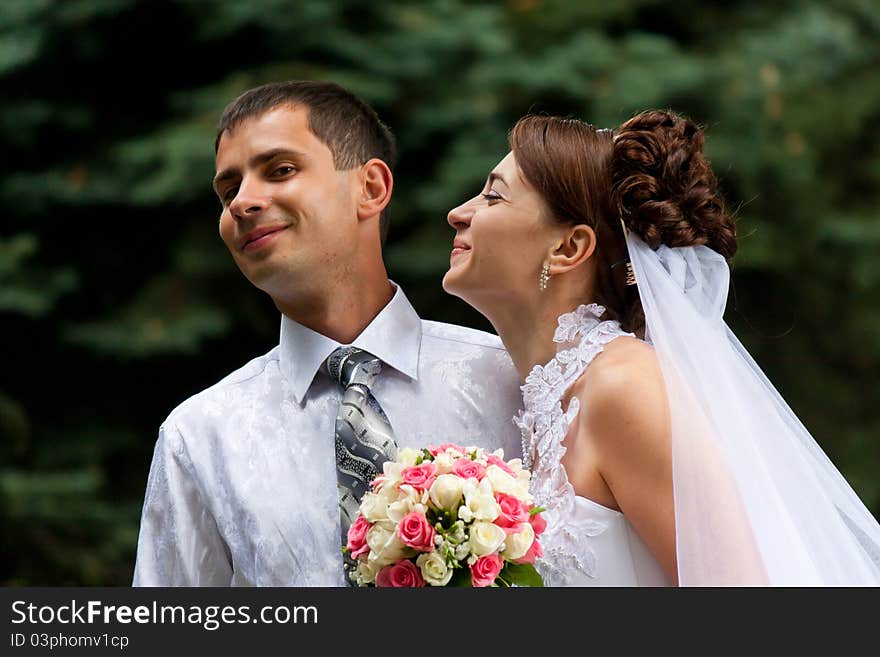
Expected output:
{"points": [[521, 574], [461, 578]]}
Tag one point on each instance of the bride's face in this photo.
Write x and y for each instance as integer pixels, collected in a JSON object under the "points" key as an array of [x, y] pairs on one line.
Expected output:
{"points": [[501, 241]]}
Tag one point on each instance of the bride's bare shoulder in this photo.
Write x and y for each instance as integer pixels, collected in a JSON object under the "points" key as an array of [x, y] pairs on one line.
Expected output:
{"points": [[625, 363], [622, 395]]}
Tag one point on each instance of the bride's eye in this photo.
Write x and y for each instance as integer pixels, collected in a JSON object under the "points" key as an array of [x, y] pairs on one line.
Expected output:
{"points": [[491, 196]]}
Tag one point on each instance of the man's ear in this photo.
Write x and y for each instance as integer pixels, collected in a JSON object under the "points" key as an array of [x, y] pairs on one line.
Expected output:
{"points": [[574, 247], [376, 185]]}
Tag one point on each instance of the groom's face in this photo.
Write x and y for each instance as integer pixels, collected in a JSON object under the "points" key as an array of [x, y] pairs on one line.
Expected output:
{"points": [[287, 214], [499, 243]]}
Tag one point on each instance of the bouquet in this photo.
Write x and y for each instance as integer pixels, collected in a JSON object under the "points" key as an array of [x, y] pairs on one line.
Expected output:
{"points": [[447, 516]]}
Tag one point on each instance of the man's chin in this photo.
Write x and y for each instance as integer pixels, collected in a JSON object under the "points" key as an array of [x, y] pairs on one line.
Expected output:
{"points": [[269, 279]]}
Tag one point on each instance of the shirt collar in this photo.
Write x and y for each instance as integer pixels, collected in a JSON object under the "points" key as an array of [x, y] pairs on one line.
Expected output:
{"points": [[394, 336]]}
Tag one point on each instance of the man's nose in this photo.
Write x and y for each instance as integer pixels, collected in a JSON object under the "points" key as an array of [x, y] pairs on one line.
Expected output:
{"points": [[250, 201]]}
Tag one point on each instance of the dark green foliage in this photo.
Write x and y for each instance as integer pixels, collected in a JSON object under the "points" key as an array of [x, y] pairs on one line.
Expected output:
{"points": [[523, 574], [118, 300]]}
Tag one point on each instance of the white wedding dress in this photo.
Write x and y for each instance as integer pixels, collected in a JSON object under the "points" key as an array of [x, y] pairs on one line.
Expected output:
{"points": [[757, 501], [585, 543]]}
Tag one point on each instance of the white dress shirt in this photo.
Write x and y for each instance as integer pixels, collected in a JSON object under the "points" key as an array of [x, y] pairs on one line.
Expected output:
{"points": [[242, 487]]}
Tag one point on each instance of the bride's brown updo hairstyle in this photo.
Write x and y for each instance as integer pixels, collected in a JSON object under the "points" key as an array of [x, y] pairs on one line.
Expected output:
{"points": [[651, 172]]}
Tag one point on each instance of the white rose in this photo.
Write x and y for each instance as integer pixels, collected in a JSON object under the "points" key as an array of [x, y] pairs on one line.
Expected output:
{"points": [[407, 456], [479, 504], [525, 496], [393, 472], [385, 546], [413, 494], [379, 534], [470, 486], [516, 545], [374, 507], [444, 461], [434, 568], [408, 499], [400, 507], [521, 487], [446, 491], [486, 538], [516, 466], [501, 481], [366, 571]]}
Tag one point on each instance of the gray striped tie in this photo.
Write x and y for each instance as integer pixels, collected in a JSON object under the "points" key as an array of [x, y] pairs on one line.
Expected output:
{"points": [[364, 439]]}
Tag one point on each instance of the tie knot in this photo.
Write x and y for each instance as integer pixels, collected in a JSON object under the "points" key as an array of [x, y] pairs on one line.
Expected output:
{"points": [[350, 365]]}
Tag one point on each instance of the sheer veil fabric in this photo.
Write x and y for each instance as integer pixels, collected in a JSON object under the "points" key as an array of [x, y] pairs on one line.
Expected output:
{"points": [[757, 501]]}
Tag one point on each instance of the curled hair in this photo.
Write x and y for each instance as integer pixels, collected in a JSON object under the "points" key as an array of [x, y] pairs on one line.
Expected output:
{"points": [[663, 186], [652, 175]]}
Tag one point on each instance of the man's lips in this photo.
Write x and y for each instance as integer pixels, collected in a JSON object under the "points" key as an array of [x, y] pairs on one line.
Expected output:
{"points": [[259, 237]]}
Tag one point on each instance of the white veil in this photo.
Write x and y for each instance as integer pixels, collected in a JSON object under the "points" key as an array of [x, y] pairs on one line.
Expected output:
{"points": [[757, 501]]}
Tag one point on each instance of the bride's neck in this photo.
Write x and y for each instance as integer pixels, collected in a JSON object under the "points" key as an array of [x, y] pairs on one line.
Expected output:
{"points": [[527, 329]]}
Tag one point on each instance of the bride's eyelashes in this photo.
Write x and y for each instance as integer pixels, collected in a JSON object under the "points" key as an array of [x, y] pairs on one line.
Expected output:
{"points": [[491, 197]]}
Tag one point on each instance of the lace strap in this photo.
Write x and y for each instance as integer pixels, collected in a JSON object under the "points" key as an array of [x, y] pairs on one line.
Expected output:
{"points": [[582, 335], [545, 385]]}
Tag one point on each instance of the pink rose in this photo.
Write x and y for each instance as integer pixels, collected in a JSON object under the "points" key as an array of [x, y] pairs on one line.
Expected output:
{"points": [[492, 459], [535, 551], [416, 532], [538, 523], [419, 477], [485, 569], [400, 575], [443, 447], [513, 512], [357, 537], [465, 468]]}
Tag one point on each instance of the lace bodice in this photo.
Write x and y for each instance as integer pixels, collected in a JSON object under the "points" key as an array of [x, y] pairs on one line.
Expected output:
{"points": [[581, 336], [573, 523]]}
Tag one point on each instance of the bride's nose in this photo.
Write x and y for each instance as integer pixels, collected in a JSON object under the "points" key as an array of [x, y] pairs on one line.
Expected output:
{"points": [[460, 217]]}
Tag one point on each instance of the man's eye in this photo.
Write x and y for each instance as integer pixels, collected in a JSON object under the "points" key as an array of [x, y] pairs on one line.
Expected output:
{"points": [[229, 194], [284, 170]]}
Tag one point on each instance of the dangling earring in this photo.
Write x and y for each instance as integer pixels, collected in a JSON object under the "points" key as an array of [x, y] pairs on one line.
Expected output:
{"points": [[630, 274], [545, 276]]}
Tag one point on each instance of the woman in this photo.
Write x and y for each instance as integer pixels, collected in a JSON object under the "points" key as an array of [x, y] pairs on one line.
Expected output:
{"points": [[659, 449]]}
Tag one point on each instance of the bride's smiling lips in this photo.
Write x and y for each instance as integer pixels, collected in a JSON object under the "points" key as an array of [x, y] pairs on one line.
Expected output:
{"points": [[459, 247], [257, 239]]}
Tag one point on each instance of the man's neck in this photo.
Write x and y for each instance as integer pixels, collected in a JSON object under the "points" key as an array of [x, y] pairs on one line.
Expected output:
{"points": [[343, 311]]}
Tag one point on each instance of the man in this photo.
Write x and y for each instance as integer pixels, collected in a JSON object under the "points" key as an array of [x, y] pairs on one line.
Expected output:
{"points": [[243, 485]]}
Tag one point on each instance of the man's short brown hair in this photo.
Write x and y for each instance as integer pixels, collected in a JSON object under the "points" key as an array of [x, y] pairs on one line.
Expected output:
{"points": [[346, 124]]}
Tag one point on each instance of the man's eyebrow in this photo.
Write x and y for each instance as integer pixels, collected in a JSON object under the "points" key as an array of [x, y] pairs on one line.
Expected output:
{"points": [[257, 160]]}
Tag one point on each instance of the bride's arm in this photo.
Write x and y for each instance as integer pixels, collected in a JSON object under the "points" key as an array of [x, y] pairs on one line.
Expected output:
{"points": [[625, 416], [625, 413]]}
